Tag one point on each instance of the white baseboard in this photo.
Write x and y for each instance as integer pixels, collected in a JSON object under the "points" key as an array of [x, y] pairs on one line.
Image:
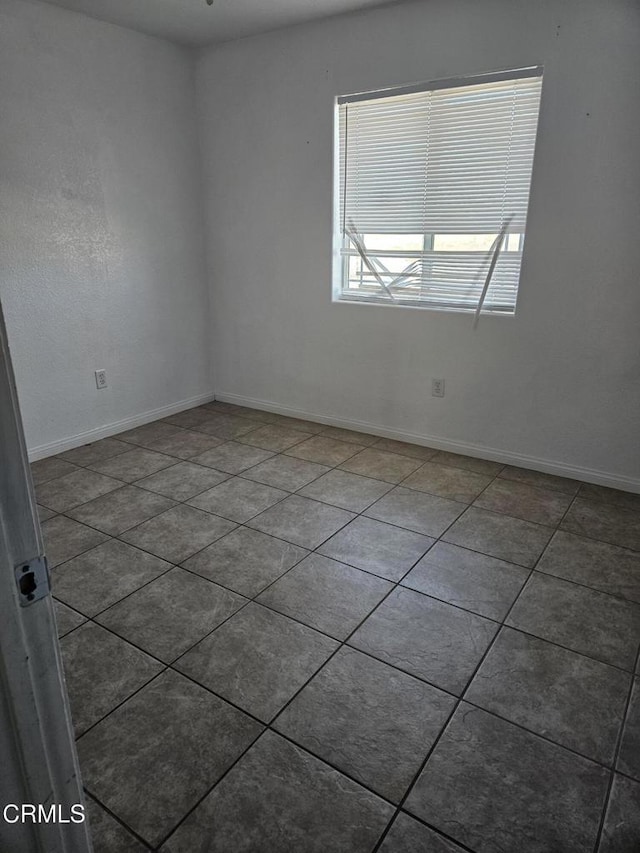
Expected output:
{"points": [[54, 447], [546, 466]]}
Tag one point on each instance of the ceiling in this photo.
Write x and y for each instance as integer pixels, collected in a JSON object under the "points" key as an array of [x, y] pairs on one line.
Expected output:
{"points": [[192, 22]]}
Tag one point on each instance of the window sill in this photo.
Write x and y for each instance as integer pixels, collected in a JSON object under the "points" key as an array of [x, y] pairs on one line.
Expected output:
{"points": [[440, 309]]}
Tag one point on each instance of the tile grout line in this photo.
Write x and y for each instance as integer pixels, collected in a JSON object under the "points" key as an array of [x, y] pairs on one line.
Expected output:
{"points": [[360, 514], [393, 485], [172, 665], [380, 439], [114, 816], [217, 411], [616, 757], [394, 586], [268, 726], [455, 708], [444, 728], [396, 583], [557, 527], [239, 524], [341, 644], [345, 642]]}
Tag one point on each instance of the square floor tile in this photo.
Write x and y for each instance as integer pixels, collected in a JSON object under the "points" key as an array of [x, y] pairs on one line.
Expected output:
{"points": [[348, 491], [101, 671], [629, 758], [448, 482], [537, 478], [468, 579], [64, 538], [427, 638], [232, 457], [152, 789], [285, 472], [377, 547], [326, 451], [88, 454], [238, 499], [172, 613], [189, 417], [494, 786], [217, 407], [349, 435], [66, 618], [178, 533], [258, 659], [221, 408], [246, 560], [144, 435], [49, 469], [608, 522], [615, 497], [570, 699], [227, 426], [501, 536], [73, 489], [278, 798], [605, 567], [405, 448], [409, 836], [301, 521], [416, 511], [544, 506], [134, 464], [621, 829], [182, 481], [98, 578], [107, 835], [469, 463], [390, 467], [301, 424], [581, 619], [185, 444], [121, 509], [369, 720], [326, 595], [274, 437]]}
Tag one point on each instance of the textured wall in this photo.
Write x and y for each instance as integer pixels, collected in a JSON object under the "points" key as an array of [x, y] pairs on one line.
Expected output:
{"points": [[560, 381], [101, 255]]}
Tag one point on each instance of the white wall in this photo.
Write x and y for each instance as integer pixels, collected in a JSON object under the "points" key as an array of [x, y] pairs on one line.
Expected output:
{"points": [[101, 253], [556, 386]]}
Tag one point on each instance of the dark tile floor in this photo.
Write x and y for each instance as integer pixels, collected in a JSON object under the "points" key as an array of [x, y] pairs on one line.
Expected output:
{"points": [[415, 652]]}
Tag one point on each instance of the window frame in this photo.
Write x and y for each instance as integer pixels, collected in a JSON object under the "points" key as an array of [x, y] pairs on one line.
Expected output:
{"points": [[341, 253]]}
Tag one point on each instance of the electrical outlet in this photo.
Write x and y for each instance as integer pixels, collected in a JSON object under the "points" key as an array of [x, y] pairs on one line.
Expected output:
{"points": [[101, 379], [437, 387]]}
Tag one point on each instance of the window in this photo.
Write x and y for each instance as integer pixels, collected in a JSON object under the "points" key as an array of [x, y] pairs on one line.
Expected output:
{"points": [[432, 192]]}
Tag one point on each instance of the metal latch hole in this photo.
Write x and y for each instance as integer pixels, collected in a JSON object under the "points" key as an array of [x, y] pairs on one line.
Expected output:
{"points": [[32, 580], [28, 584]]}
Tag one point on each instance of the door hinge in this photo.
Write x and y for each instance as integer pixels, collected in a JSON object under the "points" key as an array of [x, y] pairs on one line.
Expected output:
{"points": [[32, 579]]}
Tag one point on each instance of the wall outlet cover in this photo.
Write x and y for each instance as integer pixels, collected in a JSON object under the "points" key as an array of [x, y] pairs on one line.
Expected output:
{"points": [[437, 387]]}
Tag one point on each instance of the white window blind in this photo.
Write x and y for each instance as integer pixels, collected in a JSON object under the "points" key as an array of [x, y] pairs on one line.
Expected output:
{"points": [[428, 177]]}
